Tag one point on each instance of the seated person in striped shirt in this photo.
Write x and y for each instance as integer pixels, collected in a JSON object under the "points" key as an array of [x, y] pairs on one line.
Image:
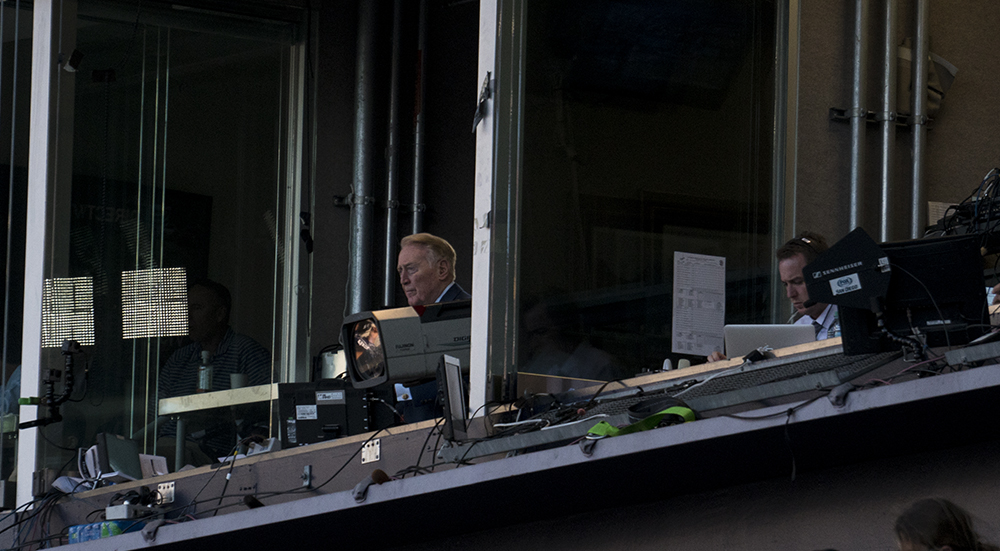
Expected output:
{"points": [[209, 304]]}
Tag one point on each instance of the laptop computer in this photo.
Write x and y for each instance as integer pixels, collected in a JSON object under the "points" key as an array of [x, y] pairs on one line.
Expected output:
{"points": [[743, 339]]}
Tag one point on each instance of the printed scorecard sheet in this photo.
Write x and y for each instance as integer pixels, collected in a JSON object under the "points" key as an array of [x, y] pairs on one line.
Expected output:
{"points": [[699, 303]]}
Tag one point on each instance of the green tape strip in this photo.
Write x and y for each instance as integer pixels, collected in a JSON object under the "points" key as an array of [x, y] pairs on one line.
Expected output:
{"points": [[606, 429]]}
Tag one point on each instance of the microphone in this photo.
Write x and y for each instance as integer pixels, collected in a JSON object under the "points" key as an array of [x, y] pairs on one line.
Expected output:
{"points": [[809, 303]]}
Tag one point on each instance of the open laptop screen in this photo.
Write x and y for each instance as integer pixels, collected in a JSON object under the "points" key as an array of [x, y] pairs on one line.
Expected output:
{"points": [[743, 339]]}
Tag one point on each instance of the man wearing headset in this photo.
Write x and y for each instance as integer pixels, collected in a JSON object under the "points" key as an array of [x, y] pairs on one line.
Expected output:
{"points": [[793, 256]]}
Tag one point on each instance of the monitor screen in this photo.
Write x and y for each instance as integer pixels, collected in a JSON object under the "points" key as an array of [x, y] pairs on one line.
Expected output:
{"points": [[935, 295]]}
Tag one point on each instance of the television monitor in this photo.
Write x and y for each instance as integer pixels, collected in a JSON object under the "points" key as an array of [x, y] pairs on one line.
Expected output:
{"points": [[331, 408], [113, 458], [405, 344], [454, 394], [935, 294]]}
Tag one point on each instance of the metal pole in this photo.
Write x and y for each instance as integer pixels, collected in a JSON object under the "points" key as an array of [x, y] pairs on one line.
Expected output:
{"points": [[392, 170], [918, 213], [782, 40], [361, 208], [888, 118], [858, 112], [418, 130]]}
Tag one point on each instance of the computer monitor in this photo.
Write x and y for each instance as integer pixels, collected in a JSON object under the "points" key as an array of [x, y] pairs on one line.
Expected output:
{"points": [[935, 295], [405, 344], [453, 392], [331, 408]]}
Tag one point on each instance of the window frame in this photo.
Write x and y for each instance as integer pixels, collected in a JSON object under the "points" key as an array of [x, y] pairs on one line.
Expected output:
{"points": [[49, 178], [499, 186]]}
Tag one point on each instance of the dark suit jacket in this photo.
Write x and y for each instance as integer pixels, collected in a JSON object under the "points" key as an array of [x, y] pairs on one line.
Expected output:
{"points": [[455, 293]]}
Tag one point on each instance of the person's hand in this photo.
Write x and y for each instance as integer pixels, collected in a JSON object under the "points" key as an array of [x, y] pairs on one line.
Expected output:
{"points": [[996, 291], [716, 357]]}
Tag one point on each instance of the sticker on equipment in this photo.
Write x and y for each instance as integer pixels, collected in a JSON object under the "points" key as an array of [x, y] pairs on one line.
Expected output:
{"points": [[306, 413], [846, 284]]}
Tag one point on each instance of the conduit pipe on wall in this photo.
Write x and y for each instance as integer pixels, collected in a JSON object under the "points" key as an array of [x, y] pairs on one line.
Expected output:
{"points": [[418, 130], [888, 118], [361, 196], [392, 169], [858, 114], [919, 93]]}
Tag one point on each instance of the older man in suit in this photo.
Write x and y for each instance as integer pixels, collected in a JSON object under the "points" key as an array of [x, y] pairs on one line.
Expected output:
{"points": [[427, 270], [427, 273]]}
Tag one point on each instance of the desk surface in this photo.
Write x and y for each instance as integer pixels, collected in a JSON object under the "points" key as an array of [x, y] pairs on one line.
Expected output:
{"points": [[221, 398]]}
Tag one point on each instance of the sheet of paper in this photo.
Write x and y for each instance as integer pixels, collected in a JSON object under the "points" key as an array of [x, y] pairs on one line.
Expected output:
{"points": [[699, 303]]}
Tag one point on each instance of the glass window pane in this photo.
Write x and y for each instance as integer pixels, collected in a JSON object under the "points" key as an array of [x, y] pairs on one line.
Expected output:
{"points": [[647, 130], [177, 204], [15, 89]]}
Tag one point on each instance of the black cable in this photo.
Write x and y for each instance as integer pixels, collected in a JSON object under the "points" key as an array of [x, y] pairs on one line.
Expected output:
{"points": [[788, 442], [416, 469], [25, 506], [428, 439], [778, 414], [86, 382], [597, 394], [334, 475], [232, 465], [788, 412], [388, 405], [47, 500], [930, 296], [207, 482], [131, 40], [40, 540], [437, 444], [41, 431], [264, 495]]}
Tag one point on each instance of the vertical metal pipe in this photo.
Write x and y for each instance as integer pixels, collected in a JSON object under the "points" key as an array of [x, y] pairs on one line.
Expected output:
{"points": [[392, 170], [918, 213], [361, 208], [418, 130], [888, 118], [858, 111]]}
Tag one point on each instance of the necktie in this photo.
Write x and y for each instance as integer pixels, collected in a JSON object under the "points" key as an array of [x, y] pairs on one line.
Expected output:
{"points": [[817, 326]]}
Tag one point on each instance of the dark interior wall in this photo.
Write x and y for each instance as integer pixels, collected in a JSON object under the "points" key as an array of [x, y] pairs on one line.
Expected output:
{"points": [[450, 64], [451, 61], [963, 138], [589, 175]]}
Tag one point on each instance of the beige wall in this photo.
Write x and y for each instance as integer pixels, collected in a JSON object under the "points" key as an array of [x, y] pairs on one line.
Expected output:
{"points": [[962, 144]]}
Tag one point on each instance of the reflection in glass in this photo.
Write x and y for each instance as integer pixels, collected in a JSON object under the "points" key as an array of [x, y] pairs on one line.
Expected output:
{"points": [[67, 311], [154, 303], [369, 357], [647, 130]]}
